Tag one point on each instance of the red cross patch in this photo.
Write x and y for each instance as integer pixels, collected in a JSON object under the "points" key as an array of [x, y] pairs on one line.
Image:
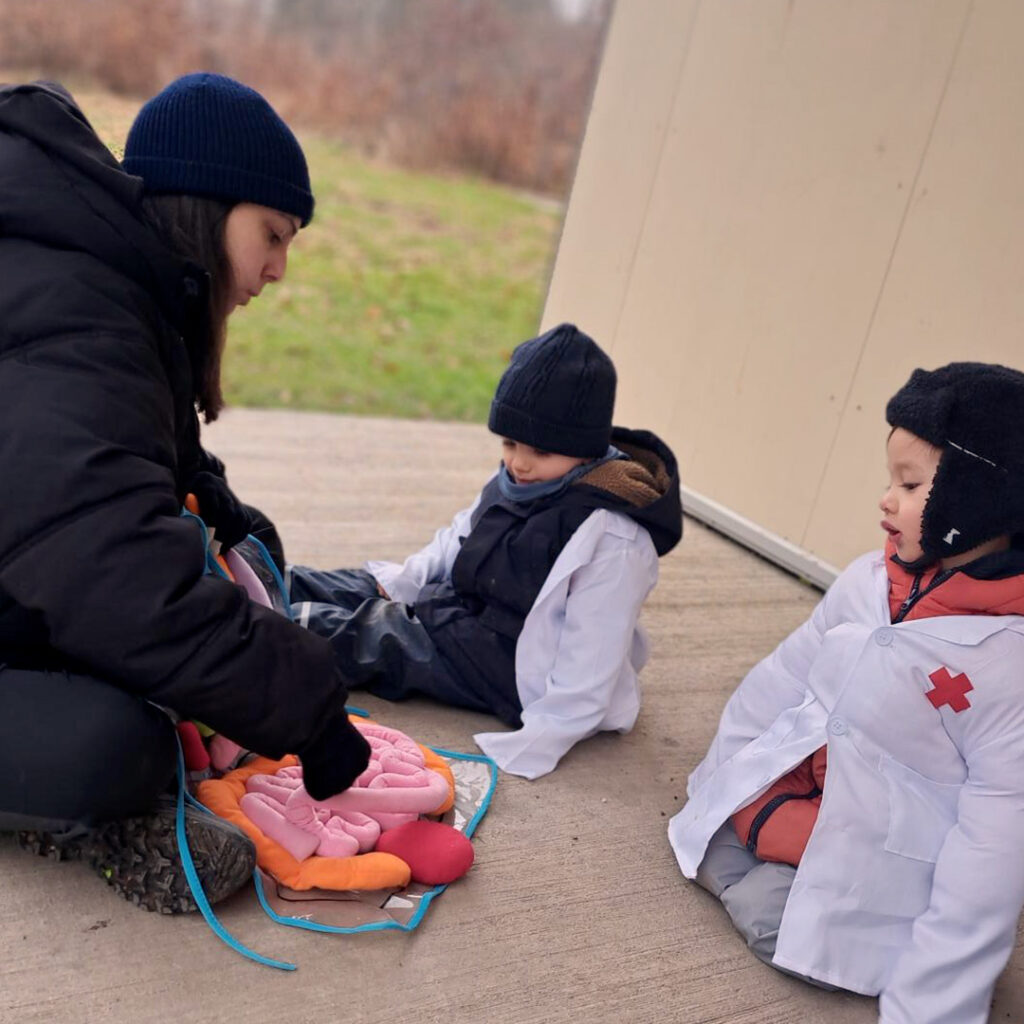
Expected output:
{"points": [[951, 690]]}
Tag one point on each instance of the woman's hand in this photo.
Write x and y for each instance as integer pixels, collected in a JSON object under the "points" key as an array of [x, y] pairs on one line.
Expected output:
{"points": [[220, 509], [335, 759]]}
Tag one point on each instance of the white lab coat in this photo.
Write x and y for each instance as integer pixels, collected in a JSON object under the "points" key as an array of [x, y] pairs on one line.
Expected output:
{"points": [[913, 879], [581, 646]]}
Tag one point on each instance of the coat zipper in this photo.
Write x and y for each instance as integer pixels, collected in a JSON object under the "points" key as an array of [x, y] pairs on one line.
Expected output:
{"points": [[916, 593], [769, 809]]}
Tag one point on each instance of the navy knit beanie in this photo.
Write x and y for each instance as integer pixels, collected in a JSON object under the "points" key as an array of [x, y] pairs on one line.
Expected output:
{"points": [[208, 135], [973, 412], [557, 395]]}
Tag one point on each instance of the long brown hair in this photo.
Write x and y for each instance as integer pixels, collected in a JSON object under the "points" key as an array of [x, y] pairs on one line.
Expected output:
{"points": [[193, 226]]}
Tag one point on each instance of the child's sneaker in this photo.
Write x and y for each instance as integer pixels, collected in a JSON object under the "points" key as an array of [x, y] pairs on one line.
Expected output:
{"points": [[139, 856]]}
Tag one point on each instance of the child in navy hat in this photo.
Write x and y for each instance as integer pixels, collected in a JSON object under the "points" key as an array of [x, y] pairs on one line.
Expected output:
{"points": [[526, 606], [860, 813]]}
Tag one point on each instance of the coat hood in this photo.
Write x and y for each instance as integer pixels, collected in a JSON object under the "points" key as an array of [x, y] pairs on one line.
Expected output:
{"points": [[646, 484], [63, 189]]}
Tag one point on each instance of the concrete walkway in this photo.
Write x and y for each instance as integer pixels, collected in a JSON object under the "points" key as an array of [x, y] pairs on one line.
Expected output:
{"points": [[574, 911]]}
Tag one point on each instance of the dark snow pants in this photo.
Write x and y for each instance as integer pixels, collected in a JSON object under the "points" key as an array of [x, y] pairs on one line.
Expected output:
{"points": [[381, 646], [77, 751]]}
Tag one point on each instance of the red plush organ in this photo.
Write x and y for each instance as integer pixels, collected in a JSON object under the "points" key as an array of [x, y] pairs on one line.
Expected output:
{"points": [[436, 853], [192, 748]]}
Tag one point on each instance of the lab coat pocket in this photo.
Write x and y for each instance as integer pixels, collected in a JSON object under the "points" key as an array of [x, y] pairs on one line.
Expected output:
{"points": [[921, 811]]}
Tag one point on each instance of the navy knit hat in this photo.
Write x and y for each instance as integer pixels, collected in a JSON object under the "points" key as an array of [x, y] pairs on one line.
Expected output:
{"points": [[557, 395], [208, 135], [973, 412]]}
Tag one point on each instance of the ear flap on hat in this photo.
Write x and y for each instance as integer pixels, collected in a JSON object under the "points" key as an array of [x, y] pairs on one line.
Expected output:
{"points": [[971, 501]]}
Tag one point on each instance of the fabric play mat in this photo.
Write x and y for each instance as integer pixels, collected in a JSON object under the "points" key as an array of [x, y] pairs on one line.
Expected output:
{"points": [[371, 858]]}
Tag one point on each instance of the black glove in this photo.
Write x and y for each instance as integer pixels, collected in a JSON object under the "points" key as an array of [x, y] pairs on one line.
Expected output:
{"points": [[220, 509], [334, 759], [209, 463]]}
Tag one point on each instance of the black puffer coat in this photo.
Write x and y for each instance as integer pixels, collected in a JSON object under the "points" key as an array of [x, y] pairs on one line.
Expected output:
{"points": [[98, 436]]}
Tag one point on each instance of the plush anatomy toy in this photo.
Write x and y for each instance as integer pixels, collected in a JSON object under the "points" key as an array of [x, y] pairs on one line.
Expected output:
{"points": [[395, 788], [391, 794]]}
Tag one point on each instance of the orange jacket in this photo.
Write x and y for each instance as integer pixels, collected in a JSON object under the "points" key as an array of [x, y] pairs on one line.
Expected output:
{"points": [[777, 825]]}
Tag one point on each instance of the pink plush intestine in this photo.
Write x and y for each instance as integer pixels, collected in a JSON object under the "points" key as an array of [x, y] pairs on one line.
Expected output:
{"points": [[395, 788]]}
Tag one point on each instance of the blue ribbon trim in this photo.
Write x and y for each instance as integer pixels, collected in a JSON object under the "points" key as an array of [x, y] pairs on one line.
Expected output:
{"points": [[197, 887]]}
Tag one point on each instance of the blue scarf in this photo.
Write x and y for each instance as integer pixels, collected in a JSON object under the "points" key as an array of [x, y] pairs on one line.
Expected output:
{"points": [[523, 493]]}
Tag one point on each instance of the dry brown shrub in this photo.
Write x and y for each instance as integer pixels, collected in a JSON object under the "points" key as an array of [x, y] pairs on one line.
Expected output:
{"points": [[494, 88]]}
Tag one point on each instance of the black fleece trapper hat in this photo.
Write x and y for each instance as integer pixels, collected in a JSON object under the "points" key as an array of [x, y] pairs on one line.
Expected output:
{"points": [[974, 412], [557, 395]]}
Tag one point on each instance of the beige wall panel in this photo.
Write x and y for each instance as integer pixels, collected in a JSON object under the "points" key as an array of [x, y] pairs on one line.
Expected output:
{"points": [[645, 50], [956, 286], [795, 137]]}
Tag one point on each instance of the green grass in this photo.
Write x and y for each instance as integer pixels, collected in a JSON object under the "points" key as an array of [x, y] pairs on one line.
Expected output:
{"points": [[404, 297]]}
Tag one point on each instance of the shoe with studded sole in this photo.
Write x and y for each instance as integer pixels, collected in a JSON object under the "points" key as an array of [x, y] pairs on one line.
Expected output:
{"points": [[139, 856]]}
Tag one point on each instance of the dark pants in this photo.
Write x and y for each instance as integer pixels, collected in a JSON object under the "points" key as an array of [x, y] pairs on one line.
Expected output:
{"points": [[379, 645], [76, 751]]}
